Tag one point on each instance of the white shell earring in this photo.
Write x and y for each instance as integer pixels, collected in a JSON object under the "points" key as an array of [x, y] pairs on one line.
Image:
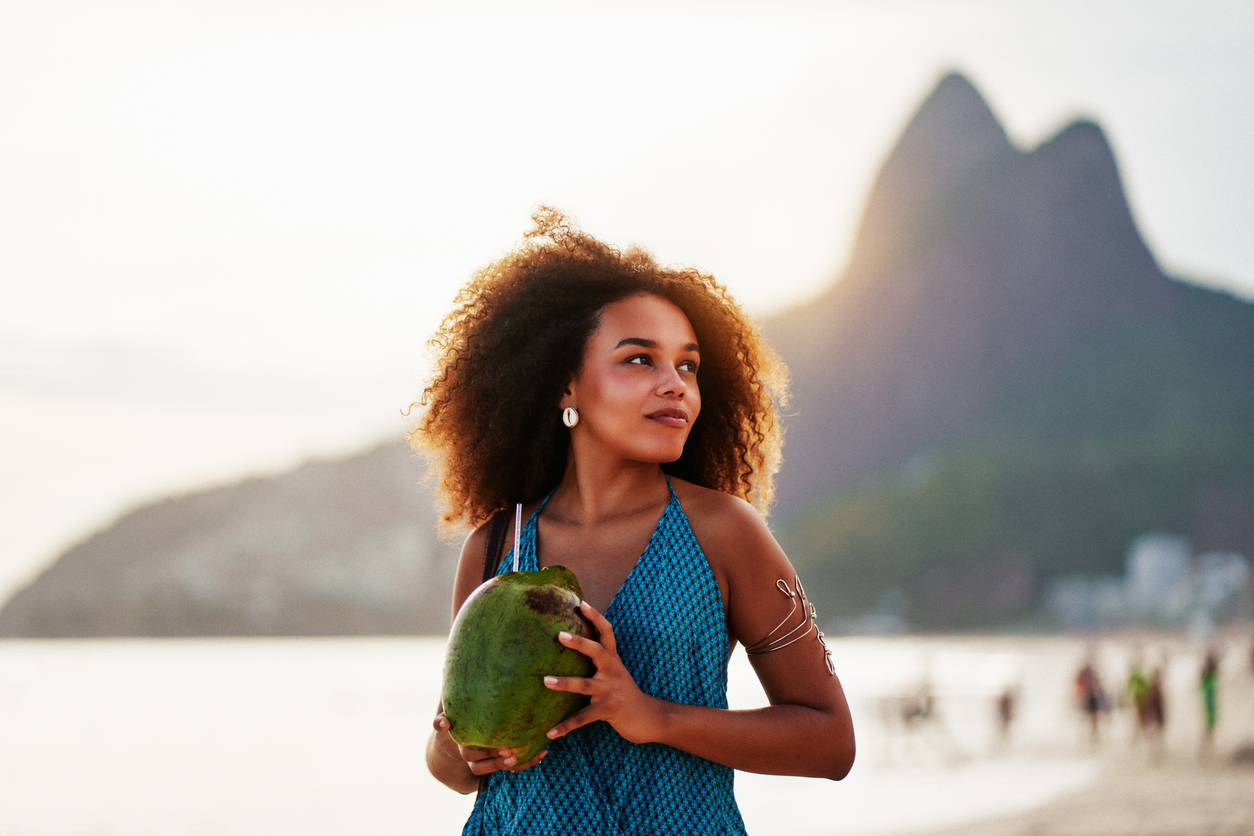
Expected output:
{"points": [[570, 416]]}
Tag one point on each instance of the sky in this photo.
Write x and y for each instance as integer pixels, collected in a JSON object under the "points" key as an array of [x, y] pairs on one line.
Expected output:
{"points": [[228, 228]]}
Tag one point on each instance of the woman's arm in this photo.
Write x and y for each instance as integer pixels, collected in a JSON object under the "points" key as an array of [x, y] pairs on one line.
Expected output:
{"points": [[806, 729], [456, 766]]}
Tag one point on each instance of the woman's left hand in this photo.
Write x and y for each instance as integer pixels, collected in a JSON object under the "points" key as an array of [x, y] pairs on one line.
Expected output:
{"points": [[616, 698]]}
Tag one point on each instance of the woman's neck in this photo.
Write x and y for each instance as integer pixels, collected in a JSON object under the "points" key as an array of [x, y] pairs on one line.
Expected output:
{"points": [[594, 492]]}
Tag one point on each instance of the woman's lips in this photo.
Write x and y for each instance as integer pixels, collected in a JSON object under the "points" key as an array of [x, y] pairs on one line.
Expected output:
{"points": [[670, 417]]}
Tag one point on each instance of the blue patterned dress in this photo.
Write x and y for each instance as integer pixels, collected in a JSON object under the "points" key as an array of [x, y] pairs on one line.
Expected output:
{"points": [[671, 634]]}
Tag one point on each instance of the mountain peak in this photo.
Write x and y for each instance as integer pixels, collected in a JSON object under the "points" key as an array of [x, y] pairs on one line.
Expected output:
{"points": [[1082, 146], [953, 131], [977, 263], [955, 113]]}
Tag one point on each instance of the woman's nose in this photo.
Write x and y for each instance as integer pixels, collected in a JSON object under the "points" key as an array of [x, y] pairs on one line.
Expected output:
{"points": [[673, 385]]}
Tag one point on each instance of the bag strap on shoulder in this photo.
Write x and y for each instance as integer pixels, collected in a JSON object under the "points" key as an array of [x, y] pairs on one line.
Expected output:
{"points": [[492, 550]]}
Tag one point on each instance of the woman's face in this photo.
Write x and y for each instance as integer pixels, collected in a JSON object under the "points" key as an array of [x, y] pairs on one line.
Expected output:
{"points": [[636, 390]]}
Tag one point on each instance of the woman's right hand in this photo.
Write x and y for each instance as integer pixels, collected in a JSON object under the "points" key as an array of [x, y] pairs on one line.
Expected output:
{"points": [[484, 761]]}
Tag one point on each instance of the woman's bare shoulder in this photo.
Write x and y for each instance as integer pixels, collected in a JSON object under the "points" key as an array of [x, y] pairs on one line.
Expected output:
{"points": [[702, 502], [726, 526], [476, 540]]}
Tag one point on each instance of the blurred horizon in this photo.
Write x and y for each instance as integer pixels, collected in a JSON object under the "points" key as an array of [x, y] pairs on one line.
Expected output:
{"points": [[229, 230]]}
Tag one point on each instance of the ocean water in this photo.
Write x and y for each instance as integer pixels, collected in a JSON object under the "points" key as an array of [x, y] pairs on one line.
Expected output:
{"points": [[244, 737]]}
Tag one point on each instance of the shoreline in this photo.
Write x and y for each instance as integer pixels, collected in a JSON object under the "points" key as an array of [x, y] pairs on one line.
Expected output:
{"points": [[1172, 788], [1175, 796]]}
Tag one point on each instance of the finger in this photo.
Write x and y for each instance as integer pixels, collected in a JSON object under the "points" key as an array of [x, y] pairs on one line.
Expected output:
{"points": [[574, 721], [489, 764], [441, 723], [571, 684], [470, 754], [595, 651], [601, 623], [532, 762], [478, 753]]}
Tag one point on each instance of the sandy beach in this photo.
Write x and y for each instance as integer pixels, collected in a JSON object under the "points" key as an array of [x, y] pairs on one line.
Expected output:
{"points": [[1176, 797], [1176, 790]]}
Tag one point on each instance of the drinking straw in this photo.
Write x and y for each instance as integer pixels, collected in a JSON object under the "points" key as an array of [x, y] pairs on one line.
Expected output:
{"points": [[517, 532]]}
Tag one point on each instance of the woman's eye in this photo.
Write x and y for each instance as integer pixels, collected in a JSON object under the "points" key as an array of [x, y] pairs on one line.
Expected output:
{"points": [[689, 366], [640, 360]]}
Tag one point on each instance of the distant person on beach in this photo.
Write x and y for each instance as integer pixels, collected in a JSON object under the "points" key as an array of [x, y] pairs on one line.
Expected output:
{"points": [[630, 409], [1005, 712], [1153, 712], [1209, 683], [1138, 689], [1091, 697], [918, 707]]}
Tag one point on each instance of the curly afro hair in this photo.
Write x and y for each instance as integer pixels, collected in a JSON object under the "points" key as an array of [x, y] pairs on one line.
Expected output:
{"points": [[489, 419]]}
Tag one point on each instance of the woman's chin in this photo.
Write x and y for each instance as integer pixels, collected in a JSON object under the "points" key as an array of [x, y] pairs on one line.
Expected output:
{"points": [[658, 457], [669, 456]]}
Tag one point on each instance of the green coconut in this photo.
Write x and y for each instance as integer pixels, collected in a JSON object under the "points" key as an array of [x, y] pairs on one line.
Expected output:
{"points": [[502, 645]]}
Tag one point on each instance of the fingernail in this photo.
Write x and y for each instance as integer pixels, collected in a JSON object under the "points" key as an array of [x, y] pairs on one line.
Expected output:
{"points": [[551, 734], [585, 605], [564, 636], [511, 760], [550, 680]]}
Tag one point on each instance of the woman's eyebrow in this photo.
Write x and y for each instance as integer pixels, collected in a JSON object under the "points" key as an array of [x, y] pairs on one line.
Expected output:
{"points": [[646, 343]]}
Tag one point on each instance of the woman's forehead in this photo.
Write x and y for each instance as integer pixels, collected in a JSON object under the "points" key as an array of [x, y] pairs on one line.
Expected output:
{"points": [[644, 317]]}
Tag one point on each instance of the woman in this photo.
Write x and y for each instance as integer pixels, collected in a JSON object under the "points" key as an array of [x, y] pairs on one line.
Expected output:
{"points": [[630, 408]]}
